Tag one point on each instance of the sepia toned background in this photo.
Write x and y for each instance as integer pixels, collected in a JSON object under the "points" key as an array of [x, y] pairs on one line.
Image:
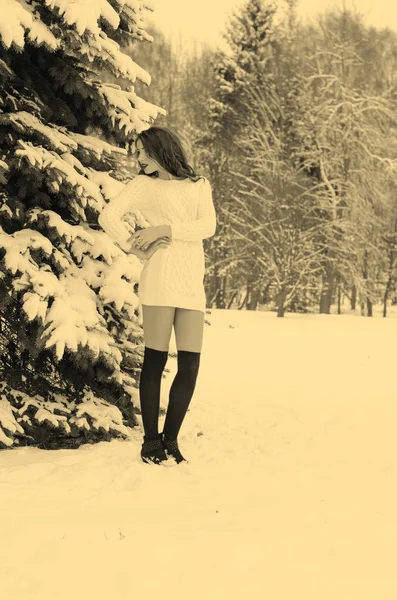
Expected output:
{"points": [[204, 21], [290, 489]]}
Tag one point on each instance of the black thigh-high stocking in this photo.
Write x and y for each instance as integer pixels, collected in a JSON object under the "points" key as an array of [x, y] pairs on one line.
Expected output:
{"points": [[181, 392], [149, 390]]}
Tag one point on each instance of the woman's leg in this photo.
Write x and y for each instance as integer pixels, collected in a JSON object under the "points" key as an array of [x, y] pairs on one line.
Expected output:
{"points": [[189, 327], [157, 327]]}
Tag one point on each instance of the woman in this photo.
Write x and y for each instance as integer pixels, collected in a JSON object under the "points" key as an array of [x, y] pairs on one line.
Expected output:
{"points": [[178, 205]]}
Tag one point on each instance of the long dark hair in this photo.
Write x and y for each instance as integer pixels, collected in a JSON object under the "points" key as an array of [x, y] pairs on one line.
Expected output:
{"points": [[165, 147]]}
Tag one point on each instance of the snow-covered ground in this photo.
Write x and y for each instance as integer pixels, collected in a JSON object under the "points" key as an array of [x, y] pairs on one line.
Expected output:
{"points": [[290, 492]]}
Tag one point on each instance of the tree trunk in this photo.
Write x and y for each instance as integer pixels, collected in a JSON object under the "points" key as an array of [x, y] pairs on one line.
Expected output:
{"points": [[225, 289], [216, 292], [209, 297], [327, 291], [280, 299], [244, 301], [212, 290], [386, 296], [252, 304], [265, 294], [365, 275], [220, 299], [232, 299], [353, 301], [339, 299], [389, 280], [210, 300]]}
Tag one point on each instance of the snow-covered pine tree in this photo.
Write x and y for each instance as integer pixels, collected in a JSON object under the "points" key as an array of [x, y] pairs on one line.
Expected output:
{"points": [[70, 329], [249, 35], [271, 215]]}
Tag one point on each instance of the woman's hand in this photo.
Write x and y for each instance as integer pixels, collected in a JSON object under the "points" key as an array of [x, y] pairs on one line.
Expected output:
{"points": [[144, 237], [162, 242], [152, 248]]}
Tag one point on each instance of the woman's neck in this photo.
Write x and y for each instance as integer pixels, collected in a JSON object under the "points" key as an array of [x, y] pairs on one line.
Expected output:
{"points": [[166, 176], [171, 178]]}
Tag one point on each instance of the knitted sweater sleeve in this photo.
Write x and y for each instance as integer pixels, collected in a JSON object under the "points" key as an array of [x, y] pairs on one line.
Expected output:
{"points": [[205, 225], [111, 218]]}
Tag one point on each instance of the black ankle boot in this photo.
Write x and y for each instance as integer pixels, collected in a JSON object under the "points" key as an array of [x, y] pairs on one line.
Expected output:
{"points": [[153, 451], [172, 449]]}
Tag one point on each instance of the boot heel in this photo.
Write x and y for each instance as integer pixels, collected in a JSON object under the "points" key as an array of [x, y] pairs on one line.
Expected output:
{"points": [[172, 449], [153, 452]]}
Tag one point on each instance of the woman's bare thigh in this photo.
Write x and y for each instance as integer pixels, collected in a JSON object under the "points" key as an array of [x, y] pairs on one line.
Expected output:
{"points": [[157, 326], [189, 329]]}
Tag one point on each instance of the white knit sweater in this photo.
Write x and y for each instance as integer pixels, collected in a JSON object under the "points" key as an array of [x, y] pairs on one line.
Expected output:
{"points": [[173, 276]]}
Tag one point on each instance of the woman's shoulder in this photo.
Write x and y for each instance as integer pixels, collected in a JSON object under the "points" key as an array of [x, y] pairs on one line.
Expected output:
{"points": [[137, 183], [138, 179], [205, 184], [202, 180]]}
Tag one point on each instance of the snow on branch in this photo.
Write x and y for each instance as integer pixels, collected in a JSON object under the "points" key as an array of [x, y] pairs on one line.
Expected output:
{"points": [[117, 286], [100, 45], [61, 172], [17, 20], [73, 321], [115, 277], [85, 14], [69, 233], [17, 245], [97, 413], [128, 110], [21, 413], [132, 10], [9, 425], [96, 147], [23, 122]]}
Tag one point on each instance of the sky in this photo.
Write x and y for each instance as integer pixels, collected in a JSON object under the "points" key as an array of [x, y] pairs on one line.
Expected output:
{"points": [[204, 20]]}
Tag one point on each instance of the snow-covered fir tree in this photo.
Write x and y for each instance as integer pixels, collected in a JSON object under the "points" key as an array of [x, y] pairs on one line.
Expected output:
{"points": [[70, 333], [249, 35], [271, 215]]}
